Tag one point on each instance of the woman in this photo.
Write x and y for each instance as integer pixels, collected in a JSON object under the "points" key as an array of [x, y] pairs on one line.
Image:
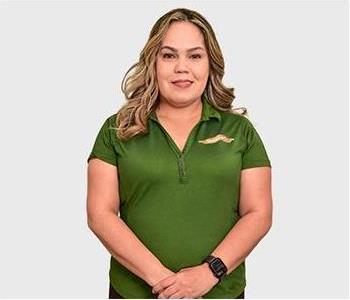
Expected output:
{"points": [[189, 175]]}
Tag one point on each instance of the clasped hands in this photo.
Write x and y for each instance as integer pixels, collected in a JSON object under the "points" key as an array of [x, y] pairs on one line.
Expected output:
{"points": [[192, 282]]}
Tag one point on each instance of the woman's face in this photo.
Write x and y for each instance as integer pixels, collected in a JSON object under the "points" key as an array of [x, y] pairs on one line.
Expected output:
{"points": [[182, 56]]}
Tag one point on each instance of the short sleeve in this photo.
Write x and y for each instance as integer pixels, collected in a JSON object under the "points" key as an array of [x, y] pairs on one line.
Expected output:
{"points": [[103, 147], [255, 154]]}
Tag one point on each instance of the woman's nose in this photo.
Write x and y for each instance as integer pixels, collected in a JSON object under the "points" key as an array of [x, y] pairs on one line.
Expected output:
{"points": [[181, 65]]}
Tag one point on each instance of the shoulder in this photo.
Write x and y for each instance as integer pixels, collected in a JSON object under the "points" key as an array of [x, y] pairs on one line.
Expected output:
{"points": [[235, 118], [110, 127], [111, 119], [110, 122]]}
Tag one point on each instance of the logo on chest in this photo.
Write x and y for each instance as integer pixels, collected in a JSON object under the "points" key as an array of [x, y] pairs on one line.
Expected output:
{"points": [[217, 138]]}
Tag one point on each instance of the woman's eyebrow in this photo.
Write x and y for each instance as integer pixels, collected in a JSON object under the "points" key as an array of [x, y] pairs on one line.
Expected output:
{"points": [[188, 50]]}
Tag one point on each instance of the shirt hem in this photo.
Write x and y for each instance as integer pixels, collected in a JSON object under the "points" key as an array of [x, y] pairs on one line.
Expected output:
{"points": [[117, 290], [258, 163], [102, 157], [135, 297]]}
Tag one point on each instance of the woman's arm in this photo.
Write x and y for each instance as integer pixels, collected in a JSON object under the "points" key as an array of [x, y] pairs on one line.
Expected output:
{"points": [[115, 235], [255, 208]]}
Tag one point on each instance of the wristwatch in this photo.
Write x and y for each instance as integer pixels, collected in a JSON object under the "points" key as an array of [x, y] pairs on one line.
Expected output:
{"points": [[217, 266]]}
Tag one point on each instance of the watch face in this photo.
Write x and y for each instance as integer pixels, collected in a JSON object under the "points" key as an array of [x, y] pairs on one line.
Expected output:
{"points": [[218, 267], [216, 263]]}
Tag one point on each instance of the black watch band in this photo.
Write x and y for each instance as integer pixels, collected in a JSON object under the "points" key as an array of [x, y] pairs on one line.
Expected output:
{"points": [[216, 265]]}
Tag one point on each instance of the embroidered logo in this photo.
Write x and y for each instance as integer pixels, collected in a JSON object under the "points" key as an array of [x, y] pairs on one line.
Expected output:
{"points": [[217, 138]]}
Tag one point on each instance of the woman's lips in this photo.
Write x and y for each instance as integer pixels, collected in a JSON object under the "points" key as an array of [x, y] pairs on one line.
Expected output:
{"points": [[182, 84]]}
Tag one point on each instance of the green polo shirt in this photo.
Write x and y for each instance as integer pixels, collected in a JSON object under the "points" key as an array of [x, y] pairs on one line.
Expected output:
{"points": [[181, 205]]}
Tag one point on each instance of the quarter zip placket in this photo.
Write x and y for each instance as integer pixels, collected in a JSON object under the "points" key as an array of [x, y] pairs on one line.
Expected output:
{"points": [[180, 155]]}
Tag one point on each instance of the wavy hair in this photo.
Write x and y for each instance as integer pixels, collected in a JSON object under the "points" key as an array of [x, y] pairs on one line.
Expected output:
{"points": [[140, 87]]}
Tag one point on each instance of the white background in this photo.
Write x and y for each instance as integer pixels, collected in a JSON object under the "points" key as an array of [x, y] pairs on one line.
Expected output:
{"points": [[61, 66]]}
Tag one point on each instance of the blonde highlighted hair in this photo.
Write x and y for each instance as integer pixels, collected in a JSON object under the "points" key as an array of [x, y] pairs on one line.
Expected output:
{"points": [[140, 87]]}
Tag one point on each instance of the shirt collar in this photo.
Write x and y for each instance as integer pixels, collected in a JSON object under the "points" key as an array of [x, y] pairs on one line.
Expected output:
{"points": [[208, 111]]}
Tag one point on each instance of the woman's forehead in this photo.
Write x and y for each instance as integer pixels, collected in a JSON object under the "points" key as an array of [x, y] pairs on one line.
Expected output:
{"points": [[185, 32]]}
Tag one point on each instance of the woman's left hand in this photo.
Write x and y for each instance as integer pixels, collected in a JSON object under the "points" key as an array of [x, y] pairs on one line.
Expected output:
{"points": [[190, 282]]}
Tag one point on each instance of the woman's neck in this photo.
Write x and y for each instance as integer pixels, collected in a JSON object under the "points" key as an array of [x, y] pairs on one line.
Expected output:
{"points": [[191, 111]]}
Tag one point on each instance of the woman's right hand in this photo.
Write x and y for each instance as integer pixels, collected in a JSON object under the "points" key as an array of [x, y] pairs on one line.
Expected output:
{"points": [[164, 273]]}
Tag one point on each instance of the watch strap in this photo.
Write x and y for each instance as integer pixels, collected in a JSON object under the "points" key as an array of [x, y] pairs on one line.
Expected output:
{"points": [[218, 273]]}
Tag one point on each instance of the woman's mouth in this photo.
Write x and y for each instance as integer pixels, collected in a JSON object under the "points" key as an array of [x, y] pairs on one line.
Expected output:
{"points": [[182, 84]]}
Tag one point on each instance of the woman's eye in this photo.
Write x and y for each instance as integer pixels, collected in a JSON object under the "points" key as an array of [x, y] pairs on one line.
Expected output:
{"points": [[166, 55], [169, 55]]}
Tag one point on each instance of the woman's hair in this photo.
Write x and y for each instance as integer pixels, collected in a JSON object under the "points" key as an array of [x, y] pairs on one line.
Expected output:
{"points": [[141, 88]]}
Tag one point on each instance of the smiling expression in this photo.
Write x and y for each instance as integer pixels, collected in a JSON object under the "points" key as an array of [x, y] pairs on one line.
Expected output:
{"points": [[182, 64]]}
